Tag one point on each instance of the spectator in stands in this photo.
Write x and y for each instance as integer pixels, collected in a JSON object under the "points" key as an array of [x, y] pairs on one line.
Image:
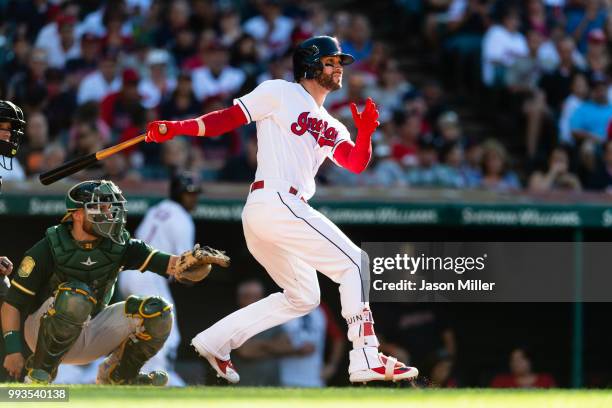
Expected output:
{"points": [[589, 122], [241, 168], [27, 88], [352, 92], [453, 158], [116, 168], [182, 103], [37, 139], [582, 20], [501, 46], [122, 109], [414, 104], [102, 81], [549, 53], [472, 168], [448, 130], [183, 47], [15, 60], [373, 66], [158, 84], [95, 22], [557, 176], [389, 89], [596, 46], [495, 173], [318, 21], [175, 18], [358, 42], [53, 156], [257, 358], [305, 370], [31, 15], [217, 78], [557, 83], [245, 56], [430, 173], [435, 102], [88, 113], [384, 171], [87, 61], [439, 369], [579, 94], [204, 13], [217, 150], [524, 73], [406, 146], [536, 18], [466, 23], [279, 67], [116, 39], [270, 28], [230, 30], [601, 178], [63, 47], [521, 374], [415, 332]]}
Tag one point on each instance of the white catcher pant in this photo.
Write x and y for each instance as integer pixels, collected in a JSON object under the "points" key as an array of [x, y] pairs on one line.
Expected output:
{"points": [[292, 241]]}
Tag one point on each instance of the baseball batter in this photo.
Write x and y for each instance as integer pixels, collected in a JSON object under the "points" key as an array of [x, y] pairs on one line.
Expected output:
{"points": [[64, 284], [295, 135]]}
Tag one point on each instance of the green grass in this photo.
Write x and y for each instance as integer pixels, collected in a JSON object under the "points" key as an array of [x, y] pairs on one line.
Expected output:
{"points": [[362, 397]]}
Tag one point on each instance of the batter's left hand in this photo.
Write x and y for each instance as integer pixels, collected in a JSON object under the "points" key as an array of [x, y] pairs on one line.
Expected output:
{"points": [[367, 120], [6, 266], [160, 131]]}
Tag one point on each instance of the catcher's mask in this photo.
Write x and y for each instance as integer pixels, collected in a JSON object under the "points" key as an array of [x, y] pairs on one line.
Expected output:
{"points": [[104, 205], [11, 113]]}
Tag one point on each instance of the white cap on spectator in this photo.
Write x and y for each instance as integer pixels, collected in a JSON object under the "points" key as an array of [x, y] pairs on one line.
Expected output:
{"points": [[158, 57]]}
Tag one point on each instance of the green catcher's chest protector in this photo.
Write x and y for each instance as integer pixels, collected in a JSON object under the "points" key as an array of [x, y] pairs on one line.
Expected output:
{"points": [[97, 267]]}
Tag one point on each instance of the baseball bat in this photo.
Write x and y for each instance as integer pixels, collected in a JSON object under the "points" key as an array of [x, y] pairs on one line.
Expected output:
{"points": [[80, 163]]}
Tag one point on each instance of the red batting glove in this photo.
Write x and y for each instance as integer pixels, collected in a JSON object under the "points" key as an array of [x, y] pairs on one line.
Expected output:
{"points": [[153, 131], [367, 120]]}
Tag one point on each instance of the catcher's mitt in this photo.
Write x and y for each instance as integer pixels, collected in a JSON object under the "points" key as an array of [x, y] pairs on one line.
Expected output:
{"points": [[195, 265]]}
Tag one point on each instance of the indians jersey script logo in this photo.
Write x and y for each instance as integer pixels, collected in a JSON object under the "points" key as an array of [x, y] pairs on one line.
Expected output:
{"points": [[325, 136]]}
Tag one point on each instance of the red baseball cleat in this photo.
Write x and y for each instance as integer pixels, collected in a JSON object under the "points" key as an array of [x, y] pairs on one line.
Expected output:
{"points": [[383, 368], [224, 368]]}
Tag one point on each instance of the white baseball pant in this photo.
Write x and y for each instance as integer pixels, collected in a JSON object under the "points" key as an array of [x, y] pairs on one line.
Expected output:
{"points": [[292, 241]]}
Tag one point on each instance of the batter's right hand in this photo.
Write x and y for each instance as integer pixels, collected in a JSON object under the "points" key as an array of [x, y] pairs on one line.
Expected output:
{"points": [[155, 131], [367, 120], [14, 364]]}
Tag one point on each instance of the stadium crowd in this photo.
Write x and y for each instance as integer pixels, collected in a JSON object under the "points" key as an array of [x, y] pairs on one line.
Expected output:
{"points": [[90, 74]]}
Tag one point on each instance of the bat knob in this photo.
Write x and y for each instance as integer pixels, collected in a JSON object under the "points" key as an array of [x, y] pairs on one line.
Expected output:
{"points": [[162, 128]]}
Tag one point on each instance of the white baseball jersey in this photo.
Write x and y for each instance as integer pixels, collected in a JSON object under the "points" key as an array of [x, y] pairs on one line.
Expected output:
{"points": [[294, 134], [167, 227]]}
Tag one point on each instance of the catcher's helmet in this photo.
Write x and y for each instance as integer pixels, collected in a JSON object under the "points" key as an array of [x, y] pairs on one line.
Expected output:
{"points": [[307, 56], [11, 113], [183, 182], [104, 204]]}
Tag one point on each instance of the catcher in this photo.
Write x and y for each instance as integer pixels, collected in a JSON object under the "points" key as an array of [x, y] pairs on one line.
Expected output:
{"points": [[64, 284]]}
